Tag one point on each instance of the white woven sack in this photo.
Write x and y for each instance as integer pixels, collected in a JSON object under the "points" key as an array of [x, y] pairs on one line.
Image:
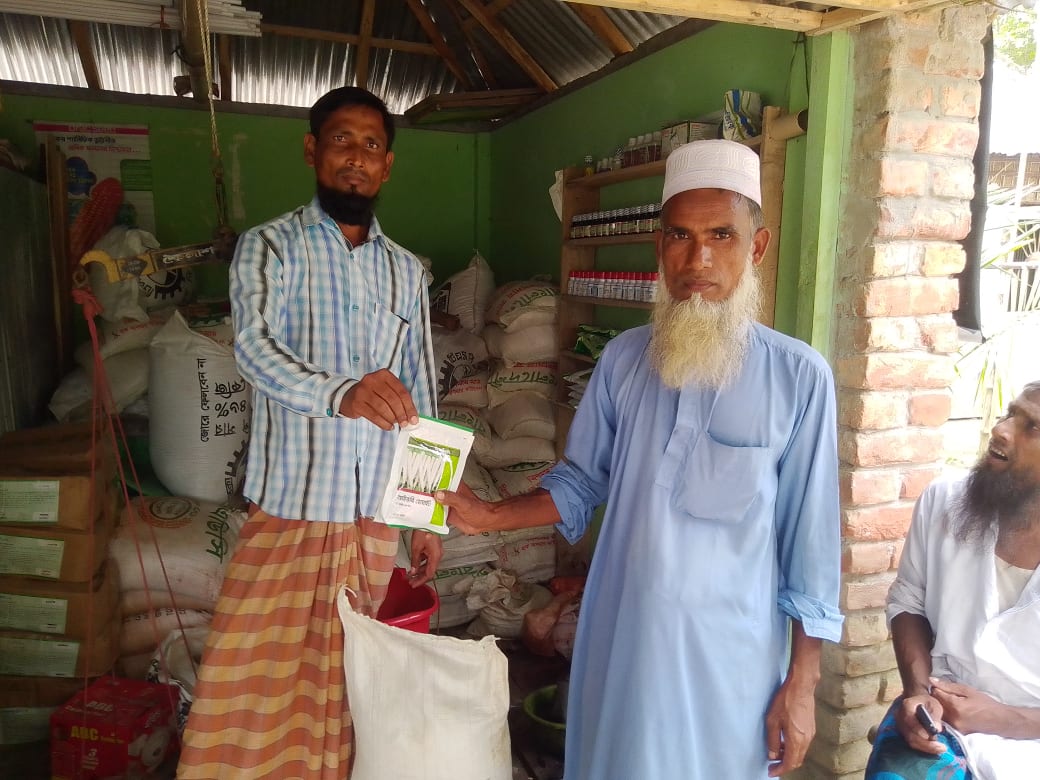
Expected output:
{"points": [[519, 305], [424, 706], [471, 391], [199, 411], [480, 481], [194, 540], [532, 559], [518, 450], [466, 294], [523, 414], [127, 374], [123, 336], [471, 418], [453, 611], [146, 630], [448, 578], [458, 355], [529, 345], [519, 479], [508, 377]]}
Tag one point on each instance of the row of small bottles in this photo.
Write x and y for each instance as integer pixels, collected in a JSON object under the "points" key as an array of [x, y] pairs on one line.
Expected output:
{"points": [[620, 285], [617, 222], [640, 150]]}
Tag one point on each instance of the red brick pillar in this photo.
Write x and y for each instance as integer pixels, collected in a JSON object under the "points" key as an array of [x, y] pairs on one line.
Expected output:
{"points": [[906, 204]]}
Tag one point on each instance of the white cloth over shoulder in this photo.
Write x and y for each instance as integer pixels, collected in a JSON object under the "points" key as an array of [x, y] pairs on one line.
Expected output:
{"points": [[953, 584]]}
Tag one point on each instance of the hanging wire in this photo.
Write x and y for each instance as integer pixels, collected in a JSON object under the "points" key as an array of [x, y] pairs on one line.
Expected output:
{"points": [[225, 236]]}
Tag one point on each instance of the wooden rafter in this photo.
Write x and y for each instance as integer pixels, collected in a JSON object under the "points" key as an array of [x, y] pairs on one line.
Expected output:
{"points": [[737, 11], [473, 46], [437, 40], [844, 17], [840, 14], [224, 66], [493, 9], [412, 47], [85, 49], [364, 48], [596, 19], [511, 45]]}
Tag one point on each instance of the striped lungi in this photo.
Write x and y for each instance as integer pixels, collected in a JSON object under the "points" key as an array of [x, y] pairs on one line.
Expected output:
{"points": [[270, 701]]}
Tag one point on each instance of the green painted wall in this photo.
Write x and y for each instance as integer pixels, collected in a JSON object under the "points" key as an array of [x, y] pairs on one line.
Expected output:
{"points": [[434, 203], [450, 192], [682, 81]]}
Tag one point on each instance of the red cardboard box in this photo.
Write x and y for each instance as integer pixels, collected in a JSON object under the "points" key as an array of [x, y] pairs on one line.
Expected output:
{"points": [[115, 728]]}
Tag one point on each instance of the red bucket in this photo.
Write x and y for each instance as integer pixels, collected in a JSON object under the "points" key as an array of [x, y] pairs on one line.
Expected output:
{"points": [[407, 607]]}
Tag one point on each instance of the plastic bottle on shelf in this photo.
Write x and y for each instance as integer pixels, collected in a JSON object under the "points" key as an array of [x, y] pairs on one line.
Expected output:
{"points": [[589, 170], [630, 153], [619, 159], [655, 146]]}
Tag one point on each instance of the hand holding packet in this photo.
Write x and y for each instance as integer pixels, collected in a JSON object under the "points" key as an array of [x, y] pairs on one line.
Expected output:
{"points": [[429, 456]]}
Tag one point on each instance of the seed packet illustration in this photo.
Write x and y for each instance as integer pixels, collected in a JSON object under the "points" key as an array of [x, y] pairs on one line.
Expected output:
{"points": [[428, 457]]}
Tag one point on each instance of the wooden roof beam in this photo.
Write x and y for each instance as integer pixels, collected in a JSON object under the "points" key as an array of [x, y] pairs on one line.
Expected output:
{"points": [[492, 9], [439, 44], [512, 47], [473, 47], [737, 11], [349, 39], [224, 65], [596, 19], [843, 18], [364, 47], [85, 49]]}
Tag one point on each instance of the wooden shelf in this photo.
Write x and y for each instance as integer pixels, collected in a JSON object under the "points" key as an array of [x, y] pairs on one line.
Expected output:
{"points": [[631, 238], [606, 178], [618, 303], [633, 172]]}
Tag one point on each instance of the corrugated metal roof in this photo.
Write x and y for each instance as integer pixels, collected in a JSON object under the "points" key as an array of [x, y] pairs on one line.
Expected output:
{"points": [[38, 50], [294, 71]]}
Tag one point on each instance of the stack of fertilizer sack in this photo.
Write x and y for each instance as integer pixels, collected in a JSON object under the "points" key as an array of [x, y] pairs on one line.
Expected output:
{"points": [[496, 375]]}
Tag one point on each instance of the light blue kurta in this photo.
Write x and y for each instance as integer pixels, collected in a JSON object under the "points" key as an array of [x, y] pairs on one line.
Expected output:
{"points": [[722, 520]]}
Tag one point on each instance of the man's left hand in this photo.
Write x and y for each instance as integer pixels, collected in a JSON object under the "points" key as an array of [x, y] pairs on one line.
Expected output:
{"points": [[427, 549], [790, 727], [967, 709]]}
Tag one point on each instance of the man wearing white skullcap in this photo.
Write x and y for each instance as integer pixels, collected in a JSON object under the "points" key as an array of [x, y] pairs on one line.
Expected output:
{"points": [[712, 440]]}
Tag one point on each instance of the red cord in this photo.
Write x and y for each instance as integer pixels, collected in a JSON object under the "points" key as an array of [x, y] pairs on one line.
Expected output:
{"points": [[103, 411]]}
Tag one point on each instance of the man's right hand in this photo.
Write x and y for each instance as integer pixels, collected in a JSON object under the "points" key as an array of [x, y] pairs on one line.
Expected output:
{"points": [[913, 732], [381, 399], [468, 513]]}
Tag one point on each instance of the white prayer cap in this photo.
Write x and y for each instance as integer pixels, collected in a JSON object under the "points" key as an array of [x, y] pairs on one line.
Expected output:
{"points": [[715, 164]]}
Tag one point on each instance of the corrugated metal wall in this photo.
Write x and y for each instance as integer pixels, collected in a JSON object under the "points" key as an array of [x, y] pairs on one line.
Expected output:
{"points": [[29, 371]]}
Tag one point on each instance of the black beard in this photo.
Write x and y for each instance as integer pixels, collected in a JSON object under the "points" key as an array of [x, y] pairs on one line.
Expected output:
{"points": [[994, 501], [347, 208]]}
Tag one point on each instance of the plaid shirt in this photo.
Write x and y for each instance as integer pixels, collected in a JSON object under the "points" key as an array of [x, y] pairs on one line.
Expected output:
{"points": [[313, 316]]}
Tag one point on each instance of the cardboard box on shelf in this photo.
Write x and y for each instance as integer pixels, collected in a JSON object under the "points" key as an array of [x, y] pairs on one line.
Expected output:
{"points": [[72, 609], [48, 655], [46, 476], [26, 705], [674, 136], [55, 553], [115, 728], [703, 131]]}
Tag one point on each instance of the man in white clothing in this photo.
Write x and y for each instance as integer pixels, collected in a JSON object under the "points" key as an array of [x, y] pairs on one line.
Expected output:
{"points": [[965, 617]]}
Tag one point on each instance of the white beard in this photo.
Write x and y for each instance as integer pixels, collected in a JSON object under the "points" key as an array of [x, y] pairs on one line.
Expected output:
{"points": [[701, 342]]}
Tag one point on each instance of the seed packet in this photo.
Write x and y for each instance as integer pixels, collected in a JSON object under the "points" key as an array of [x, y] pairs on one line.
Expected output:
{"points": [[428, 457]]}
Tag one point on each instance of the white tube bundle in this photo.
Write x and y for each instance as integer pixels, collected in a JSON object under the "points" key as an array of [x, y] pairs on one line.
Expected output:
{"points": [[428, 457]]}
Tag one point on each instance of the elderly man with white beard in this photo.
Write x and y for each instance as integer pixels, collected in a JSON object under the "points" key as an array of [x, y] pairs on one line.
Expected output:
{"points": [[965, 617], [712, 440]]}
